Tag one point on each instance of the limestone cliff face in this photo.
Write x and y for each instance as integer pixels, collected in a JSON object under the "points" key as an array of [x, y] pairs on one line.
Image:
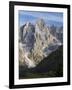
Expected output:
{"points": [[35, 43]]}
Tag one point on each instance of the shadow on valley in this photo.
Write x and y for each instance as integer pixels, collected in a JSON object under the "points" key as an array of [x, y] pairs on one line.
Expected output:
{"points": [[51, 66]]}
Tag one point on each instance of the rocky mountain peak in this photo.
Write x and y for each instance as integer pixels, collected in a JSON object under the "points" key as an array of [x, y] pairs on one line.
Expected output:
{"points": [[40, 24], [28, 24], [36, 43]]}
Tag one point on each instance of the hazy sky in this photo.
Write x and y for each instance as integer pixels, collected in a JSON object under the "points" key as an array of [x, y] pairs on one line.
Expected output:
{"points": [[32, 16]]}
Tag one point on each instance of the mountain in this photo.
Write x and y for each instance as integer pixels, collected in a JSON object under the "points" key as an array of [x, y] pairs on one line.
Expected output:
{"points": [[36, 42], [51, 66], [55, 23], [57, 32], [51, 62]]}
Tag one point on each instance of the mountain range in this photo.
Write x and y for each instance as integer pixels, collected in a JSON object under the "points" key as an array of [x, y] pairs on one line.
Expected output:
{"points": [[37, 42]]}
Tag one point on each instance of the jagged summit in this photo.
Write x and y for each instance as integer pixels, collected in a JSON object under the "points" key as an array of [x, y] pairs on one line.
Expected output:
{"points": [[36, 43], [40, 23], [28, 24]]}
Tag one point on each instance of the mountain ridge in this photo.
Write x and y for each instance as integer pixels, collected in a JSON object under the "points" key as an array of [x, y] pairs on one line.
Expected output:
{"points": [[35, 43], [51, 66]]}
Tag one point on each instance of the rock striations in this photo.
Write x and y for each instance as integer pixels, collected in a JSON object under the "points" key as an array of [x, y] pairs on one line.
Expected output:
{"points": [[35, 43]]}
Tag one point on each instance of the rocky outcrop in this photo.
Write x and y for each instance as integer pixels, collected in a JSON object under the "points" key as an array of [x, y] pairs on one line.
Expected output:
{"points": [[57, 32], [35, 43]]}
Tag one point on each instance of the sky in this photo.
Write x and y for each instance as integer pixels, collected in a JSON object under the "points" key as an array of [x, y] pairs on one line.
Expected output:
{"points": [[50, 18]]}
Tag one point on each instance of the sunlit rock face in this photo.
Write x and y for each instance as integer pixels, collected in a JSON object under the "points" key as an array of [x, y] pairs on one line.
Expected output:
{"points": [[35, 43]]}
